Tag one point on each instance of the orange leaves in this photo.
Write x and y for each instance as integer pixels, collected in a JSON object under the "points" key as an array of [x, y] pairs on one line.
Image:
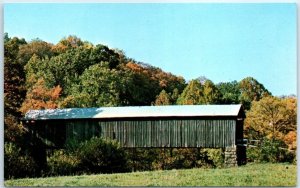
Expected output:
{"points": [[135, 67], [290, 139], [40, 97]]}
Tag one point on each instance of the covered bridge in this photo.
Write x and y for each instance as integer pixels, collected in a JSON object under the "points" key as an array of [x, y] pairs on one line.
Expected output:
{"points": [[207, 126]]}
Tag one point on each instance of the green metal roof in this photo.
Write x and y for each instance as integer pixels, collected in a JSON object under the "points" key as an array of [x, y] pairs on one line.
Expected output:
{"points": [[135, 112]]}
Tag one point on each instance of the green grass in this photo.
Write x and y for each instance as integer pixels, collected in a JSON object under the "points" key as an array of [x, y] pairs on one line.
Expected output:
{"points": [[248, 175]]}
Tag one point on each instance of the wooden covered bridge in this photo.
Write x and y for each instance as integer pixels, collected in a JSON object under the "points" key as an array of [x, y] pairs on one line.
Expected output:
{"points": [[205, 126]]}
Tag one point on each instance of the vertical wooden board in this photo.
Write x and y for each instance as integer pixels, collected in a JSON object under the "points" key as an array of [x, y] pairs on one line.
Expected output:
{"points": [[178, 133], [201, 135], [234, 133], [163, 134], [123, 134], [130, 139], [166, 135], [209, 133], [140, 132], [220, 134], [188, 133], [140, 128], [194, 131], [134, 136], [205, 133], [129, 130], [149, 134], [156, 134], [183, 133], [213, 133], [174, 135], [169, 133], [125, 138]]}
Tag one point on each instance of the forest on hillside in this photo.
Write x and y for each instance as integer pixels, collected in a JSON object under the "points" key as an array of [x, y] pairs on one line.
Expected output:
{"points": [[77, 73]]}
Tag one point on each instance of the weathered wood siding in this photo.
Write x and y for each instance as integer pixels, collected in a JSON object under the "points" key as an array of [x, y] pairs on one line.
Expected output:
{"points": [[158, 133]]}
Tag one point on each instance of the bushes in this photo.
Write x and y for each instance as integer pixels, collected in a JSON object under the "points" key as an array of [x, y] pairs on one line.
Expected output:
{"points": [[93, 156], [270, 151], [177, 158], [62, 163], [17, 163], [101, 156]]}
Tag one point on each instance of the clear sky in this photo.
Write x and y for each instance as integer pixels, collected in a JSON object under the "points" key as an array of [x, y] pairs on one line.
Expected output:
{"points": [[223, 42]]}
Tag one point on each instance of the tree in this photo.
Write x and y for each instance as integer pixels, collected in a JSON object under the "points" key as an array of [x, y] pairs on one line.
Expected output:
{"points": [[98, 86], [230, 92], [251, 90], [197, 93], [67, 43], [270, 117], [162, 99], [192, 94], [211, 94], [142, 88], [36, 47], [41, 97], [103, 53], [14, 77]]}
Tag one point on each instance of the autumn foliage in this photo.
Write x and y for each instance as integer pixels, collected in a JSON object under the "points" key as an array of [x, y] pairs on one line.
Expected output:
{"points": [[75, 73], [40, 97]]}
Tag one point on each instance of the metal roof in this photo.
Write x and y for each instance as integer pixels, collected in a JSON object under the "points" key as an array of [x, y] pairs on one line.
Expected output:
{"points": [[134, 112]]}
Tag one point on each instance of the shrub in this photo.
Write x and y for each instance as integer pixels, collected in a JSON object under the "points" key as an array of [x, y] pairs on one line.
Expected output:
{"points": [[99, 155], [270, 151], [141, 159], [185, 158], [62, 163], [17, 164], [216, 156]]}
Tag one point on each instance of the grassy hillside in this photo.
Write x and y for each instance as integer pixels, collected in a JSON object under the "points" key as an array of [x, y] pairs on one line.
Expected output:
{"points": [[248, 175]]}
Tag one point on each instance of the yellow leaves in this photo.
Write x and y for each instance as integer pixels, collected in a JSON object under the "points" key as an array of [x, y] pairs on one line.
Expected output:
{"points": [[274, 118]]}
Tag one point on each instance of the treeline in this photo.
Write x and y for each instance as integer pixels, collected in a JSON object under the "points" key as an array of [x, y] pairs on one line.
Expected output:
{"points": [[76, 73]]}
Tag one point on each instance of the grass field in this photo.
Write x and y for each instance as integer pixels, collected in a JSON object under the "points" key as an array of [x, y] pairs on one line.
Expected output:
{"points": [[248, 175]]}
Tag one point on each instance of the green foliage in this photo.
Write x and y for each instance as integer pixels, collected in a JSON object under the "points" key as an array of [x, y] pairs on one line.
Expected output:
{"points": [[270, 151], [145, 159], [192, 94], [251, 90], [141, 159], [98, 86], [230, 92], [211, 93], [17, 164], [62, 163], [216, 156], [101, 156], [196, 92]]}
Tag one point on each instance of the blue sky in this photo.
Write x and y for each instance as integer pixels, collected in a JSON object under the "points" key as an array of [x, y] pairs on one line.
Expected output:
{"points": [[223, 42]]}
